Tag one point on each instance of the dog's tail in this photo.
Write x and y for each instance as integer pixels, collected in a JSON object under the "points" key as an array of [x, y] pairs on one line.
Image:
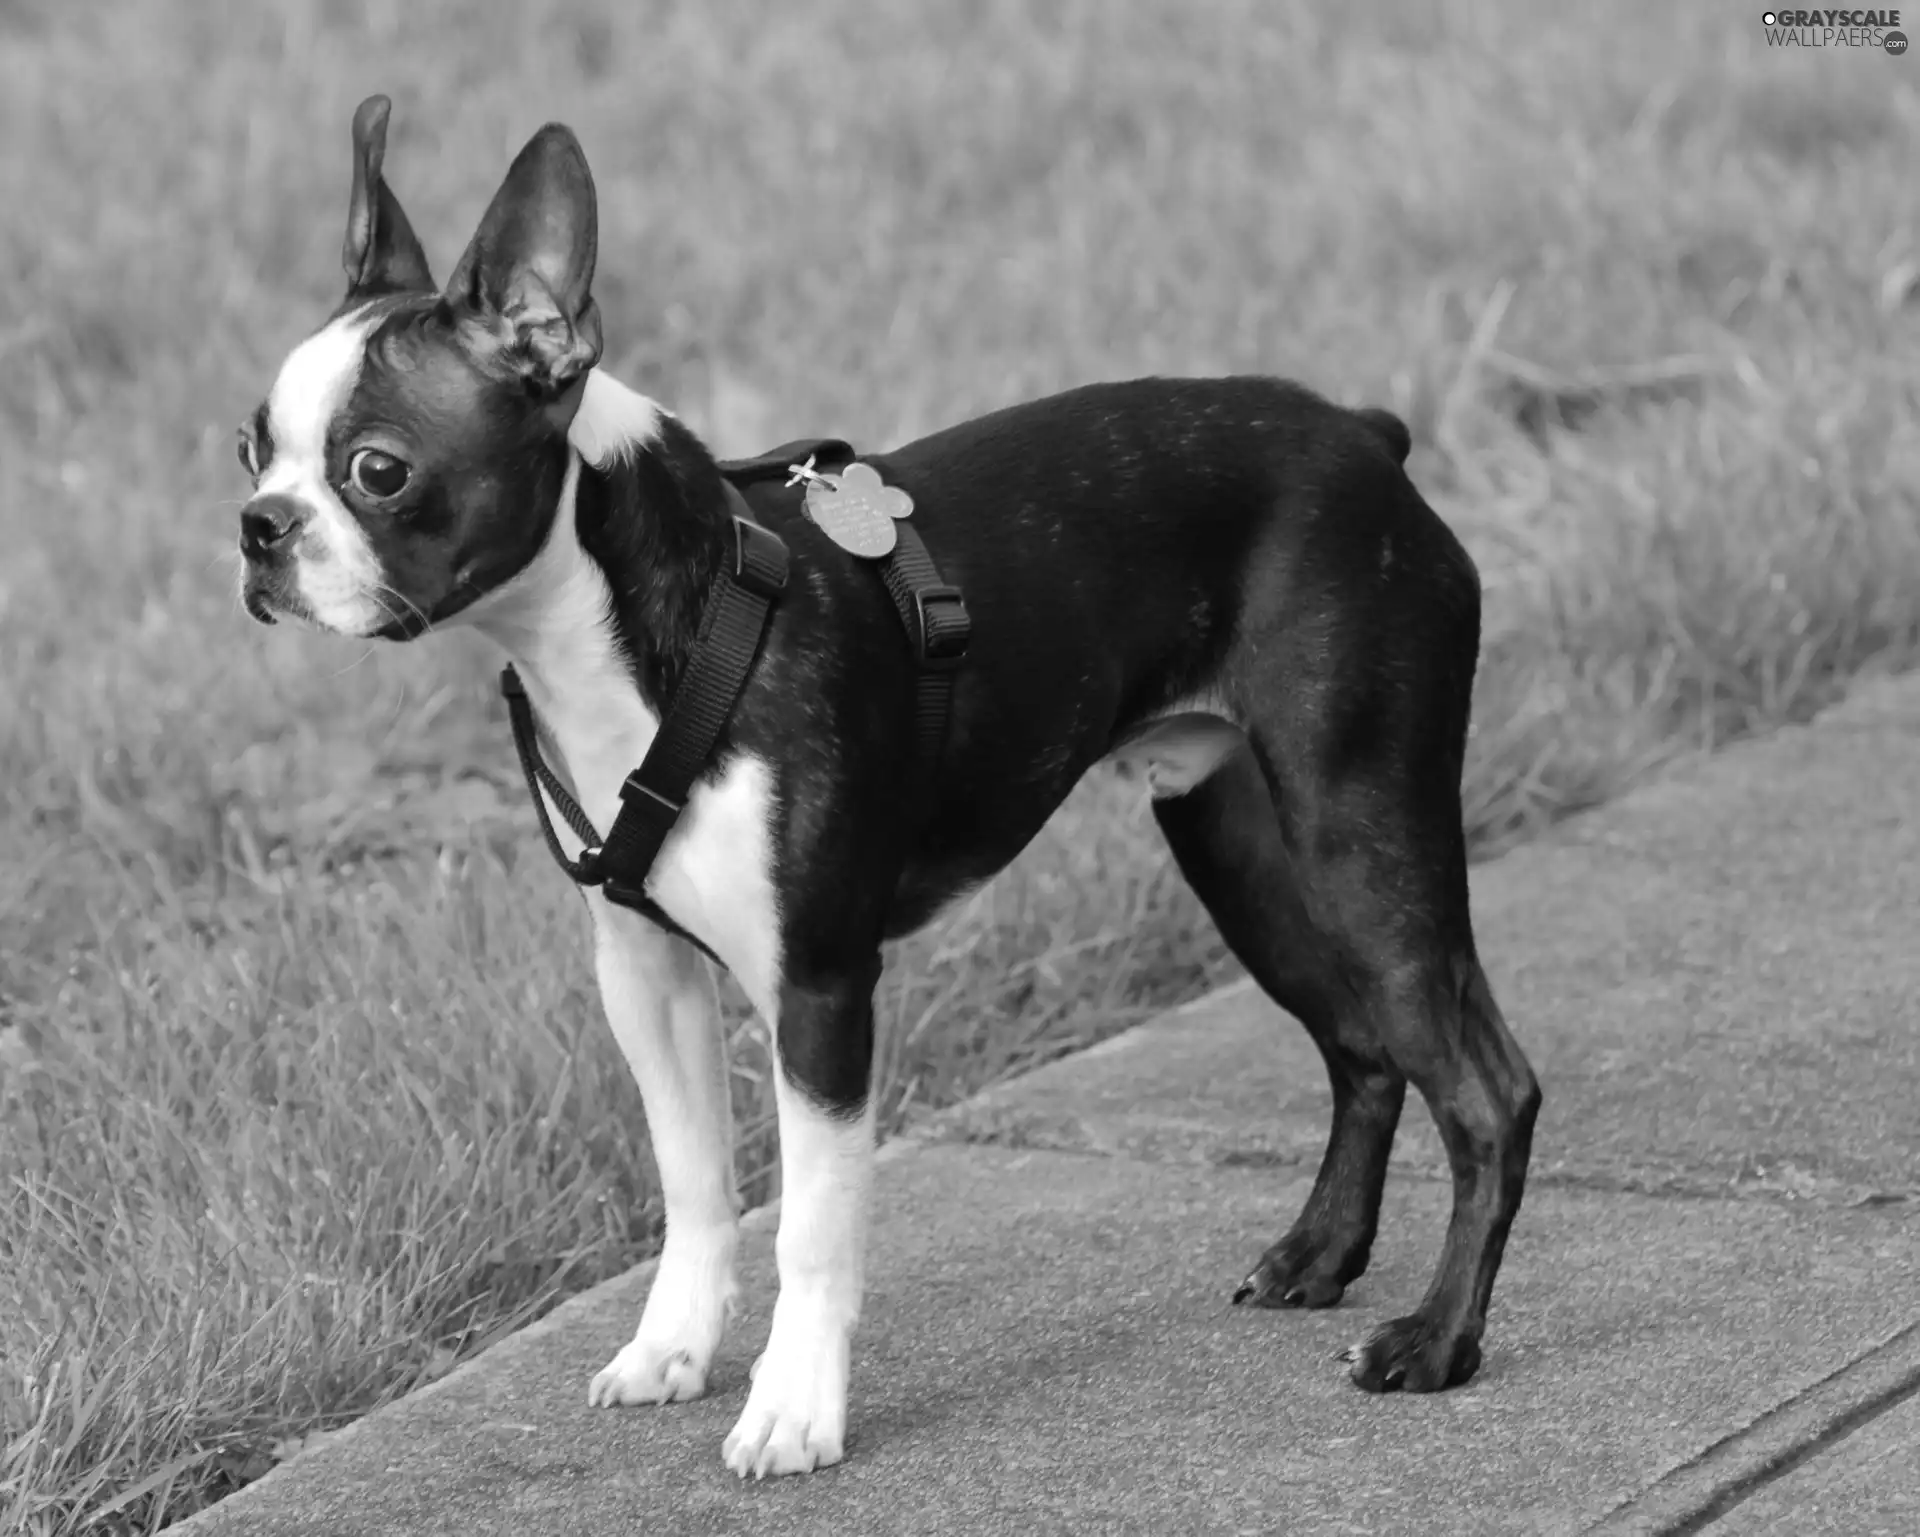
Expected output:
{"points": [[1392, 430]]}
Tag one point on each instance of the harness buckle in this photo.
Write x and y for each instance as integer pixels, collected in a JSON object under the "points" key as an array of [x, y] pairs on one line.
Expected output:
{"points": [[586, 869], [620, 894], [759, 559], [943, 650], [633, 785]]}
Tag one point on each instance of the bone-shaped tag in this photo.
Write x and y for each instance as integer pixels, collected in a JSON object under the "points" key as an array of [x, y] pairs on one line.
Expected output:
{"points": [[856, 509]]}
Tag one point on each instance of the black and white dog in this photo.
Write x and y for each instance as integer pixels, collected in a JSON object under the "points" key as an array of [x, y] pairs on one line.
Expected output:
{"points": [[1229, 582]]}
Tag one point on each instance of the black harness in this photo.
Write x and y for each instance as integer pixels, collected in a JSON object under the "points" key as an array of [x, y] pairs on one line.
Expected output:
{"points": [[732, 624]]}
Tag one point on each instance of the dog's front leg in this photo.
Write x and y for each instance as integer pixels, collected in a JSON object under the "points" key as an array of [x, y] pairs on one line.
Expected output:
{"points": [[796, 1415], [662, 1004]]}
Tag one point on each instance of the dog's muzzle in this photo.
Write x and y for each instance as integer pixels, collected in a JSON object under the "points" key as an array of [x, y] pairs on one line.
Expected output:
{"points": [[267, 523]]}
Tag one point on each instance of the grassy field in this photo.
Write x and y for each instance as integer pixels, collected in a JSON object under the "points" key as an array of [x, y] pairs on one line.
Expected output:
{"points": [[303, 1091]]}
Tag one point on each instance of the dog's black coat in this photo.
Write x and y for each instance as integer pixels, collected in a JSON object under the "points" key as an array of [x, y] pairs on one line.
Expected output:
{"points": [[1125, 548], [1241, 549], [1106, 574]]}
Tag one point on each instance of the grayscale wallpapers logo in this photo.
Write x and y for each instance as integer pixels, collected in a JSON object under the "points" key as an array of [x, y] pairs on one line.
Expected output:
{"points": [[1835, 29]]}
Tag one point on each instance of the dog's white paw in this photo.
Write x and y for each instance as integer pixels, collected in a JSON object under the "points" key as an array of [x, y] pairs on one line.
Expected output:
{"points": [[692, 1298], [796, 1415], [649, 1372]]}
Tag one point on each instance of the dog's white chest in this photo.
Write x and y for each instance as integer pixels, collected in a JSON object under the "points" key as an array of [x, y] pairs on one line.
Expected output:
{"points": [[714, 875]]}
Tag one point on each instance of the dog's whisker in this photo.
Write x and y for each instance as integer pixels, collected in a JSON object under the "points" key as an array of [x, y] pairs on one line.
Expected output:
{"points": [[356, 662], [380, 592]]}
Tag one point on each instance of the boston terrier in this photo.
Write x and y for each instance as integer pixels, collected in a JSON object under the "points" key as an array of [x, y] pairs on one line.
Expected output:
{"points": [[1229, 584]]}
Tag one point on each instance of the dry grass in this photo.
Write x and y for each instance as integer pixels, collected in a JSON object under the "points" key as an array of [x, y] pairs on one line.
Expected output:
{"points": [[302, 1090]]}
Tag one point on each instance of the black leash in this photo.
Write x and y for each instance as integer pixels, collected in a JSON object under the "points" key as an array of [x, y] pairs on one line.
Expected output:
{"points": [[737, 612]]}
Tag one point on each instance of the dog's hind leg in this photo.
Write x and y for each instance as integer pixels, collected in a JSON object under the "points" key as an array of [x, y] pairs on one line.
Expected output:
{"points": [[1226, 839], [665, 1012], [1361, 734], [1415, 979]]}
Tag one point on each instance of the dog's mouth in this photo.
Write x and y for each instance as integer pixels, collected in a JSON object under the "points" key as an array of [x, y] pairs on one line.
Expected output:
{"points": [[404, 626], [266, 601], [412, 622], [269, 597]]}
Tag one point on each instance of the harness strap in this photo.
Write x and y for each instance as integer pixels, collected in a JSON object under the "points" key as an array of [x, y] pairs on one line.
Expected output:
{"points": [[653, 795], [778, 463], [583, 871], [932, 612], [938, 628], [735, 618]]}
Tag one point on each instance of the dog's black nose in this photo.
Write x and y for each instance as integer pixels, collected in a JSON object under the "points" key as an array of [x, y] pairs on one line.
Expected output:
{"points": [[266, 522]]}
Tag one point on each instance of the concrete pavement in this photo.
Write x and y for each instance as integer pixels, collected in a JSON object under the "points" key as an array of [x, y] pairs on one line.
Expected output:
{"points": [[1709, 1317]]}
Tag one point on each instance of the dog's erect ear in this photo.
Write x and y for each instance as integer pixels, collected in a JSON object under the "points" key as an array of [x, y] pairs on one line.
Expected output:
{"points": [[526, 277], [381, 253]]}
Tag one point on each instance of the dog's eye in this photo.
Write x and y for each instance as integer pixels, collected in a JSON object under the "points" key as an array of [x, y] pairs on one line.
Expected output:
{"points": [[249, 455], [378, 476]]}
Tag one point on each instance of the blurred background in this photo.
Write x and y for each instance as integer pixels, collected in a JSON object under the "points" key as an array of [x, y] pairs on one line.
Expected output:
{"points": [[304, 1094]]}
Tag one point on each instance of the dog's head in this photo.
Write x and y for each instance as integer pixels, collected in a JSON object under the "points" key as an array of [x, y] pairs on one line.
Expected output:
{"points": [[410, 455]]}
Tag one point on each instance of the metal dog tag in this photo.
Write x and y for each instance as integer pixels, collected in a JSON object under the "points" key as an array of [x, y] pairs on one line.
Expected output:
{"points": [[856, 509]]}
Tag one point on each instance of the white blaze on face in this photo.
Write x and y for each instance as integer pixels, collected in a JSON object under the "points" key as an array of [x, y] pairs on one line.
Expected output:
{"points": [[336, 572]]}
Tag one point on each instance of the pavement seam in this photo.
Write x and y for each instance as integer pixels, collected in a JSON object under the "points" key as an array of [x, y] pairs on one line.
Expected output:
{"points": [[1075, 1137], [1695, 1495]]}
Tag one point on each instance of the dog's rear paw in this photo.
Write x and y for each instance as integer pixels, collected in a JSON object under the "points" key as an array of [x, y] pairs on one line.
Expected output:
{"points": [[1300, 1272], [648, 1372], [1414, 1355]]}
